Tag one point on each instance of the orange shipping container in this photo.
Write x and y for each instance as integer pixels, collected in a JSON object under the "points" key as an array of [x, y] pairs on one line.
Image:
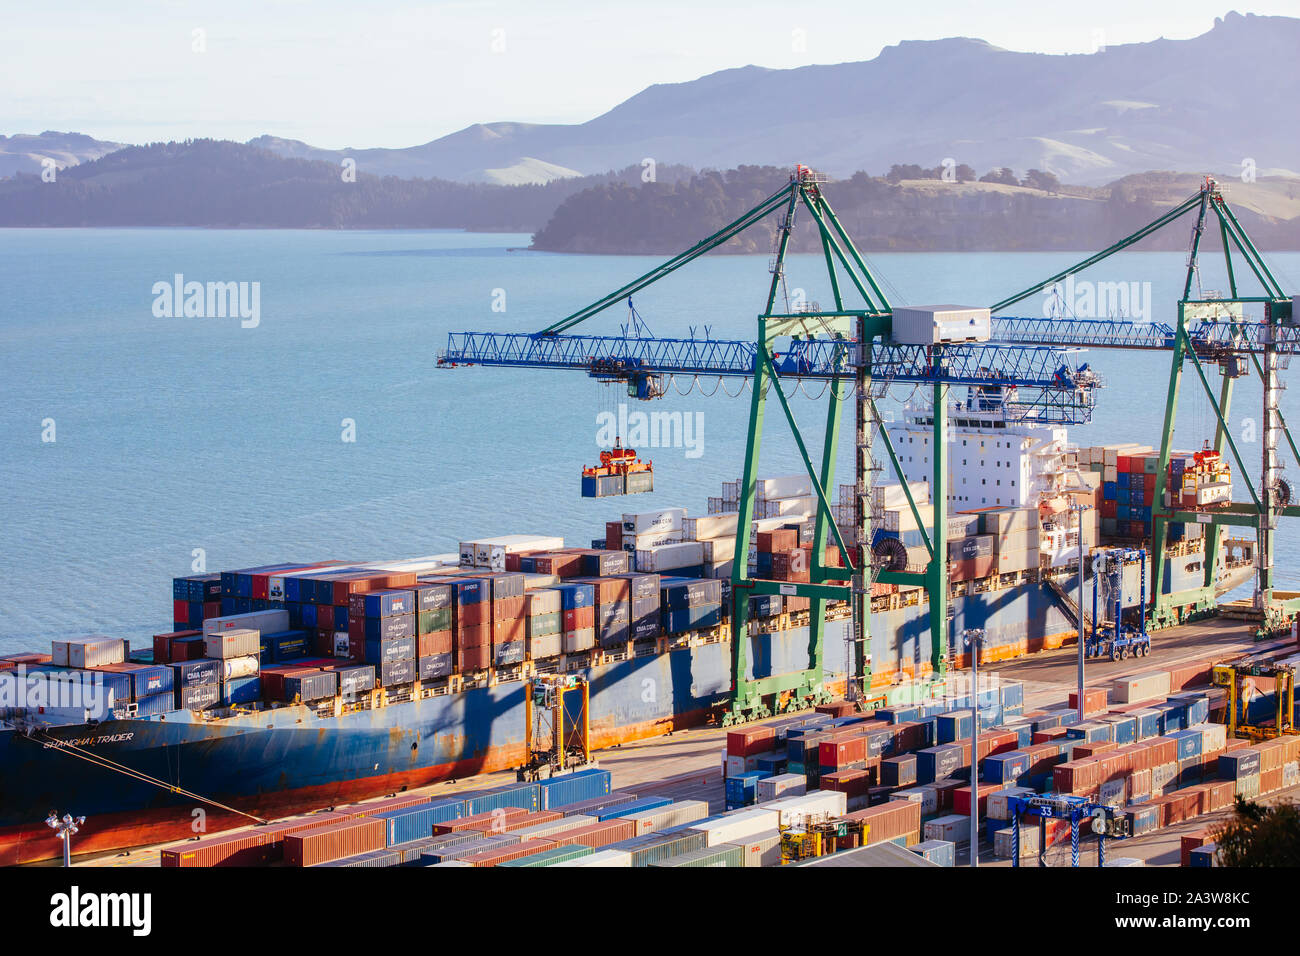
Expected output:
{"points": [[512, 852], [479, 821], [1094, 700], [597, 835], [248, 848], [888, 821], [333, 842], [750, 740]]}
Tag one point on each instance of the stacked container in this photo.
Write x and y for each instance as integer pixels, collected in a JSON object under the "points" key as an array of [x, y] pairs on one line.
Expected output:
{"points": [[690, 604], [382, 632], [542, 624], [613, 605], [473, 624], [577, 617]]}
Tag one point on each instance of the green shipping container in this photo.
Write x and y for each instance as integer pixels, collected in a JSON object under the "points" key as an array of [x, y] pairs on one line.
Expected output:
{"points": [[557, 854], [543, 624], [654, 847], [430, 622], [724, 854]]}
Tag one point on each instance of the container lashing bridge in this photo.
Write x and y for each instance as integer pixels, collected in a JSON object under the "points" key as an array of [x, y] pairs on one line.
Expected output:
{"points": [[853, 349]]}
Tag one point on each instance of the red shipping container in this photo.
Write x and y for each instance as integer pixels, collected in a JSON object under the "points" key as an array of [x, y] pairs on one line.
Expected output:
{"points": [[246, 848], [509, 630], [439, 642], [559, 563], [997, 742], [387, 805], [1123, 463], [473, 615], [181, 612], [781, 539], [1045, 736], [909, 735], [888, 821], [480, 821], [507, 608], [273, 678], [961, 797], [748, 741], [529, 819], [473, 658], [597, 835], [841, 752], [511, 852], [1189, 675], [162, 645], [944, 790], [333, 842], [579, 618], [613, 535], [855, 782], [1270, 781], [836, 708], [1109, 508], [1163, 751], [1094, 700], [610, 590], [1091, 750], [478, 636]]}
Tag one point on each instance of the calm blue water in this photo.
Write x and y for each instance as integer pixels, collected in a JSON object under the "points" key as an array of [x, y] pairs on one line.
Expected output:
{"points": [[180, 433]]}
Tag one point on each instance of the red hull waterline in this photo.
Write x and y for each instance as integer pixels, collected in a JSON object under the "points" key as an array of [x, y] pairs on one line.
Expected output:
{"points": [[34, 842]]}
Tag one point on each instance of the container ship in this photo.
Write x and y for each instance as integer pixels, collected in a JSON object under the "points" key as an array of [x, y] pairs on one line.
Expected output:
{"points": [[305, 685]]}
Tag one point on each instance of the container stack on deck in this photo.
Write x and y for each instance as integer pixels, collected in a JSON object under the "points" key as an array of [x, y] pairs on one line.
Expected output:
{"points": [[1128, 481]]}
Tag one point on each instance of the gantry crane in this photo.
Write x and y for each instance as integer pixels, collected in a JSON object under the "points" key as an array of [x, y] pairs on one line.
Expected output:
{"points": [[1208, 330], [856, 352]]}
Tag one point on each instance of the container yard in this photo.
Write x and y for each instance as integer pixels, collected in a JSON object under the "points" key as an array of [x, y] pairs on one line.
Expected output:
{"points": [[819, 787]]}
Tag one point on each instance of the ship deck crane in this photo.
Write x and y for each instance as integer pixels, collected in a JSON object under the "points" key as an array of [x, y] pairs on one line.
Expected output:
{"points": [[853, 350], [1209, 330]]}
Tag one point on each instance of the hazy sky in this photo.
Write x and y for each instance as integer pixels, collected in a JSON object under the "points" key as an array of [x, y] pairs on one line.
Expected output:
{"points": [[339, 73]]}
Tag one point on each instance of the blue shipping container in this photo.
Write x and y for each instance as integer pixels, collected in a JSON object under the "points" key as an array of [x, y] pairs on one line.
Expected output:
{"points": [[525, 796], [573, 787], [636, 806], [241, 690], [416, 823]]}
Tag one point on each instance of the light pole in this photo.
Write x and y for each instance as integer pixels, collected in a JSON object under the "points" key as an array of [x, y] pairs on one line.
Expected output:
{"points": [[1078, 510], [64, 827], [973, 638]]}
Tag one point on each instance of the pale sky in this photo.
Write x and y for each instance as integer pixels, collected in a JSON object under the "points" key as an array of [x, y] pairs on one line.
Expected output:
{"points": [[338, 73]]}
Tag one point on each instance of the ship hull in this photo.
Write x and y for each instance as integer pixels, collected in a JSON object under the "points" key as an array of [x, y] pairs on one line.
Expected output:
{"points": [[286, 760]]}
